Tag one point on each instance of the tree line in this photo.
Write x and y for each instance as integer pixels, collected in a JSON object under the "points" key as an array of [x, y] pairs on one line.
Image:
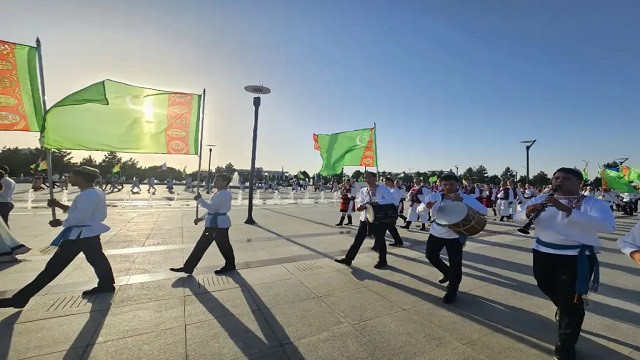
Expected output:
{"points": [[25, 163]]}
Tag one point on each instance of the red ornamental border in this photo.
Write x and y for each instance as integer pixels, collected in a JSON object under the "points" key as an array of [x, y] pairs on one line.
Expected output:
{"points": [[179, 112], [12, 114]]}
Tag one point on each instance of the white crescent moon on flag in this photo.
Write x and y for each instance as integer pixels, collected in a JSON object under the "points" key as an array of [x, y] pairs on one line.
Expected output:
{"points": [[358, 141]]}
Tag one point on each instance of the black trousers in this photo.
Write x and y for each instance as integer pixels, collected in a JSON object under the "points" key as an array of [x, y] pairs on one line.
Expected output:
{"points": [[67, 251], [209, 235], [5, 209], [393, 231], [556, 276], [377, 230], [454, 251]]}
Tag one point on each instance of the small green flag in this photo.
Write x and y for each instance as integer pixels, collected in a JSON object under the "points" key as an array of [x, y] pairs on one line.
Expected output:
{"points": [[113, 116], [184, 172], [116, 168], [615, 180], [20, 101], [433, 179], [350, 148]]}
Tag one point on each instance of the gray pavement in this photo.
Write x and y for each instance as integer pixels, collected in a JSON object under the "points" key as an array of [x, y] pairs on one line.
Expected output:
{"points": [[289, 300]]}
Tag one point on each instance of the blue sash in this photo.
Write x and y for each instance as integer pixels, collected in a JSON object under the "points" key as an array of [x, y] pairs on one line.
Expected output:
{"points": [[64, 234], [584, 274], [213, 218]]}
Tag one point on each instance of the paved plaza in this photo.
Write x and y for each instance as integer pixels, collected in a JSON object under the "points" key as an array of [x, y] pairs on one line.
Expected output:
{"points": [[290, 300]]}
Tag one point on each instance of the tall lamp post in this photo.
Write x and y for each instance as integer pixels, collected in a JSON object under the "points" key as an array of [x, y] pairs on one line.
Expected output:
{"points": [[456, 169], [529, 145], [258, 90], [209, 170]]}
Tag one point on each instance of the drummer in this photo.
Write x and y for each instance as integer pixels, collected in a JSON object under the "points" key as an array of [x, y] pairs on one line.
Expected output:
{"points": [[373, 193], [442, 237]]}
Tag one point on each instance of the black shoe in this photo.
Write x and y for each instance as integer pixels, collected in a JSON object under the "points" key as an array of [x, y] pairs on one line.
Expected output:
{"points": [[99, 290], [224, 269], [349, 223], [343, 261], [444, 279], [12, 303], [396, 244], [564, 352], [340, 224], [380, 265], [423, 228], [450, 297], [182, 270]]}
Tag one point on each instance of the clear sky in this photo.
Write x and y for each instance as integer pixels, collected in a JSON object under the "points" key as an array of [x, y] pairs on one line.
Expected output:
{"points": [[447, 82]]}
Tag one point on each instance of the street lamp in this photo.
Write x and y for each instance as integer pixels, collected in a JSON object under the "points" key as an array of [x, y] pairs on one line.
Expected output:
{"points": [[209, 171], [258, 90], [530, 144], [456, 169]]}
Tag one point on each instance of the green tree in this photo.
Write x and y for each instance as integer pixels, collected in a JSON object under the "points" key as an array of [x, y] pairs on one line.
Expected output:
{"points": [[481, 174], [61, 162], [494, 180], [130, 168], [507, 174], [469, 175], [540, 179], [88, 161], [522, 179], [230, 169], [357, 175], [19, 160], [597, 182], [110, 160]]}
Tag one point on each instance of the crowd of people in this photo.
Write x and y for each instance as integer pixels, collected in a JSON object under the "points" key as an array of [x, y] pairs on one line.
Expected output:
{"points": [[567, 221]]}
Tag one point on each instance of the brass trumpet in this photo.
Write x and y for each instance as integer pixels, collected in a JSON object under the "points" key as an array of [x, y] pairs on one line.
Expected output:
{"points": [[527, 226]]}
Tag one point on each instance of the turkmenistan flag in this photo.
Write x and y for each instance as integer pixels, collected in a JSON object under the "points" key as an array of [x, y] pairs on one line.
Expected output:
{"points": [[116, 168], [630, 174], [20, 101], [350, 148], [615, 180], [113, 116]]}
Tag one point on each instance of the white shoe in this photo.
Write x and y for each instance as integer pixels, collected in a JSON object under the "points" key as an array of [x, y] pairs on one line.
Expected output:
{"points": [[8, 258], [21, 250]]}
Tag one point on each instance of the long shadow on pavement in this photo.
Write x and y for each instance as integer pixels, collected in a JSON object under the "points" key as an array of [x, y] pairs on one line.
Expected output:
{"points": [[92, 327], [242, 336], [7, 326]]}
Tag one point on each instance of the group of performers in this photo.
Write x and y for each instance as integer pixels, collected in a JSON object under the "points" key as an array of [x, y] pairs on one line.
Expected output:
{"points": [[565, 265], [567, 224]]}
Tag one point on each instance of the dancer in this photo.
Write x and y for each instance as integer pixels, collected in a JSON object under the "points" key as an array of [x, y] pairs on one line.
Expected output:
{"points": [[403, 197], [217, 224], [346, 202], [630, 243], [9, 246], [7, 187], [151, 183], [564, 252], [441, 237], [81, 234], [373, 193], [391, 227], [416, 196]]}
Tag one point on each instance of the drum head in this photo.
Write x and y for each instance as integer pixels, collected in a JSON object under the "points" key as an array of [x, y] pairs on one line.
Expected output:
{"points": [[451, 212], [371, 215]]}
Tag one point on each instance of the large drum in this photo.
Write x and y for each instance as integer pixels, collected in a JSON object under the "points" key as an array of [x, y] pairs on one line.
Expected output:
{"points": [[460, 218], [387, 213]]}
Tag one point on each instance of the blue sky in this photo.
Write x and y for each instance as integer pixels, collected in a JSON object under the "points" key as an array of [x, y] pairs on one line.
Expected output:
{"points": [[447, 82]]}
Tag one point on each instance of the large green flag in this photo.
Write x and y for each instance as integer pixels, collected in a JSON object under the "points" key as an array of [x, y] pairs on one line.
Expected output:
{"points": [[20, 101], [615, 180], [112, 116], [350, 148]]}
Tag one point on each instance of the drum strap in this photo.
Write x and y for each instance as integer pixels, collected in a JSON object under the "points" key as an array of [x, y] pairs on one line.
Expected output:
{"points": [[461, 238]]}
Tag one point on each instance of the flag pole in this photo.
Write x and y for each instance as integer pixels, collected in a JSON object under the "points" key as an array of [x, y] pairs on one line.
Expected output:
{"points": [[375, 144], [204, 94], [44, 111]]}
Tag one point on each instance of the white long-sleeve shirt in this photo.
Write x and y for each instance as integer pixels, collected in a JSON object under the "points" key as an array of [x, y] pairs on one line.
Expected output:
{"points": [[383, 196], [398, 193], [631, 241], [8, 187], [582, 227], [88, 209], [443, 231], [220, 202]]}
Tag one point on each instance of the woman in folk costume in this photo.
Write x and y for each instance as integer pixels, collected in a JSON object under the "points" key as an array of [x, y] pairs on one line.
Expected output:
{"points": [[9, 246], [416, 197], [403, 197], [347, 205], [486, 198], [505, 197]]}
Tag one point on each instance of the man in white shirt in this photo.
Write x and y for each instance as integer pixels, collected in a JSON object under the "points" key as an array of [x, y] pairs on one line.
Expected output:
{"points": [[442, 237], [564, 252], [373, 193], [217, 224], [630, 243], [7, 187], [391, 227], [81, 234]]}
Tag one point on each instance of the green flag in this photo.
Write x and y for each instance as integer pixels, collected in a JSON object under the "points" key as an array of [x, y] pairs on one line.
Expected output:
{"points": [[113, 116], [350, 148], [20, 101], [433, 179], [615, 180], [630, 174]]}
